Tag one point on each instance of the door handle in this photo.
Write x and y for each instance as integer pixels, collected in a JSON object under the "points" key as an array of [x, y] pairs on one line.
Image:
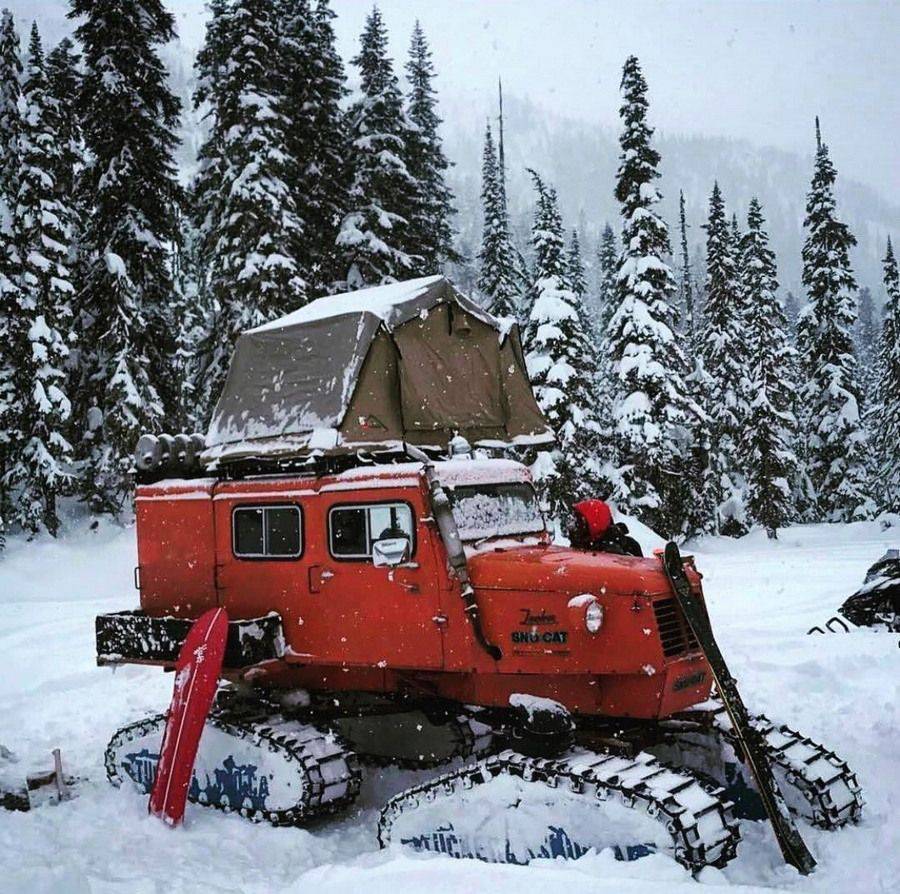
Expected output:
{"points": [[318, 577], [405, 580]]}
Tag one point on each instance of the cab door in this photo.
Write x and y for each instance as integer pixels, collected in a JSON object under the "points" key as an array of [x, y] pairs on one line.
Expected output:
{"points": [[261, 561], [357, 613]]}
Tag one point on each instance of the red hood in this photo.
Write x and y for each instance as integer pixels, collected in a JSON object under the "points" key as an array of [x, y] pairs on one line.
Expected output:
{"points": [[557, 568]]}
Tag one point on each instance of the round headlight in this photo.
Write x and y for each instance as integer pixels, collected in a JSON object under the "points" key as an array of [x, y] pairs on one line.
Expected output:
{"points": [[593, 617]]}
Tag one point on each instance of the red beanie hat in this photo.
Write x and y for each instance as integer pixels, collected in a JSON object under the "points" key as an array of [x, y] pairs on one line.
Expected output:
{"points": [[596, 514]]}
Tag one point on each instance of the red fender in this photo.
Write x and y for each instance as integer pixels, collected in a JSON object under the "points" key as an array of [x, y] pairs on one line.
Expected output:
{"points": [[196, 680]]}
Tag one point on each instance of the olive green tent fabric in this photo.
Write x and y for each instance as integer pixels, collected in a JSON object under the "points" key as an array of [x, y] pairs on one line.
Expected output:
{"points": [[375, 415], [459, 353], [413, 361]]}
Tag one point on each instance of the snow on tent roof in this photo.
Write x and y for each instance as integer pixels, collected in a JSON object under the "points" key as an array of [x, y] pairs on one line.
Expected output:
{"points": [[385, 302], [292, 381]]}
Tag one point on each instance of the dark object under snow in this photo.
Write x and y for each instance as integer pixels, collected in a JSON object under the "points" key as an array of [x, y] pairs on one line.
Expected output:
{"points": [[414, 362], [22, 793], [875, 604]]}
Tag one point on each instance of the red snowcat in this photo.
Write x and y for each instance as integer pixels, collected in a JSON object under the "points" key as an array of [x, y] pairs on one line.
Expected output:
{"points": [[396, 601]]}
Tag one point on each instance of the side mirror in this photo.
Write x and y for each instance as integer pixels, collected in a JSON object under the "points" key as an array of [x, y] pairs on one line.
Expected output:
{"points": [[390, 552]]}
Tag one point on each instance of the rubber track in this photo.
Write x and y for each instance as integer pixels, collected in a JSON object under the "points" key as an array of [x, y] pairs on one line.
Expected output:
{"points": [[641, 783], [826, 782], [314, 802]]}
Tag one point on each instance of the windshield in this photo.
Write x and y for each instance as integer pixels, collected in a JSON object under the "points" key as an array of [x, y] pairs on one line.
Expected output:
{"points": [[495, 510]]}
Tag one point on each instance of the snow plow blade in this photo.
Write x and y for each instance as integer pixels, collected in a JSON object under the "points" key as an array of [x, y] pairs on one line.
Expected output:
{"points": [[137, 638]]}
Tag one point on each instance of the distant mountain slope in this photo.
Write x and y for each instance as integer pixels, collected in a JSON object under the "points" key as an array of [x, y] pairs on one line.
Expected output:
{"points": [[580, 159]]}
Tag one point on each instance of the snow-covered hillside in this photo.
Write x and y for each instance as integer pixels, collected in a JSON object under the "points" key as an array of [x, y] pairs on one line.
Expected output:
{"points": [[843, 690]]}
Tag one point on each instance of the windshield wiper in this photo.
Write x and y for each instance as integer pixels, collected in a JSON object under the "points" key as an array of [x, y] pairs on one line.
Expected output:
{"points": [[490, 536]]}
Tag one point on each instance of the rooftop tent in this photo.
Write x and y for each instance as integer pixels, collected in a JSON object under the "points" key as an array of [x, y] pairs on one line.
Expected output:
{"points": [[412, 361]]}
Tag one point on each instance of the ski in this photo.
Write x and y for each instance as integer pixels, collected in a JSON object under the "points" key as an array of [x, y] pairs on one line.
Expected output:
{"points": [[196, 681], [792, 846]]}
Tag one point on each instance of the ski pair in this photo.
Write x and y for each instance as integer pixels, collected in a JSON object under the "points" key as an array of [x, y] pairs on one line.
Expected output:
{"points": [[793, 848]]}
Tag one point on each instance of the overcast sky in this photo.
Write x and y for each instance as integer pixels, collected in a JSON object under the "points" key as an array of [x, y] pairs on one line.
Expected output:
{"points": [[742, 68]]}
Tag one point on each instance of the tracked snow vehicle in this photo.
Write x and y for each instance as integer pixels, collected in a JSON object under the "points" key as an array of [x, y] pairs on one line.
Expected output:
{"points": [[875, 604], [390, 606]]}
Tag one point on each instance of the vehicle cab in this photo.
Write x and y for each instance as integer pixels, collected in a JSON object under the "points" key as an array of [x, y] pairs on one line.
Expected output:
{"points": [[352, 562], [355, 567]]}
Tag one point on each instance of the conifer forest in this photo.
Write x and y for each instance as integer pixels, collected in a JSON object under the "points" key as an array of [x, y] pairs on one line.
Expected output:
{"points": [[457, 442], [687, 387]]}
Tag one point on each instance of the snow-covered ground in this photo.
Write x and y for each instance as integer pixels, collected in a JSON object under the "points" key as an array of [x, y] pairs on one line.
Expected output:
{"points": [[843, 690]]}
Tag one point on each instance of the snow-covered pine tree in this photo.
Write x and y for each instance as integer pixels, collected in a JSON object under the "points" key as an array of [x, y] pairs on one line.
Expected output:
{"points": [[736, 242], [577, 279], [791, 312], [686, 286], [195, 325], [501, 149], [652, 411], [835, 444], [10, 74], [887, 422], [331, 149], [520, 233], [64, 80], [291, 78], [10, 91], [64, 83], [866, 342], [41, 461], [129, 118], [498, 279], [244, 208], [770, 430], [374, 237], [430, 229], [701, 502], [607, 271], [866, 330], [560, 365], [605, 298], [701, 510], [721, 346], [312, 87]]}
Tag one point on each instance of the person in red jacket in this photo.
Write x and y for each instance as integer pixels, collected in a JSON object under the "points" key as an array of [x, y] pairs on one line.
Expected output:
{"points": [[594, 529]]}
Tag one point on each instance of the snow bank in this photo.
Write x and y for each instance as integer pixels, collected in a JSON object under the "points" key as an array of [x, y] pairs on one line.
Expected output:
{"points": [[646, 537]]}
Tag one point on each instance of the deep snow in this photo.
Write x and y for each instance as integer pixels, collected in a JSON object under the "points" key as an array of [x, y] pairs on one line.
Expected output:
{"points": [[843, 690]]}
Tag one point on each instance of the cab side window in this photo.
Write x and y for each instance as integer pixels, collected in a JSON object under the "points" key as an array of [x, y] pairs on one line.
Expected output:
{"points": [[353, 529], [267, 532]]}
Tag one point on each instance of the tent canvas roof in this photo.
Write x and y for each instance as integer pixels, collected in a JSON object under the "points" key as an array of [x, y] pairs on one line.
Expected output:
{"points": [[293, 379]]}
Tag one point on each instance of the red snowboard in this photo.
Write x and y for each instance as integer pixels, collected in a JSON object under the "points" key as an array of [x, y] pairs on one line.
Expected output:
{"points": [[196, 680]]}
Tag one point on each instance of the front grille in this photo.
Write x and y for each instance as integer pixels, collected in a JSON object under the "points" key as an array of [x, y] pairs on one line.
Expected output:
{"points": [[674, 634]]}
